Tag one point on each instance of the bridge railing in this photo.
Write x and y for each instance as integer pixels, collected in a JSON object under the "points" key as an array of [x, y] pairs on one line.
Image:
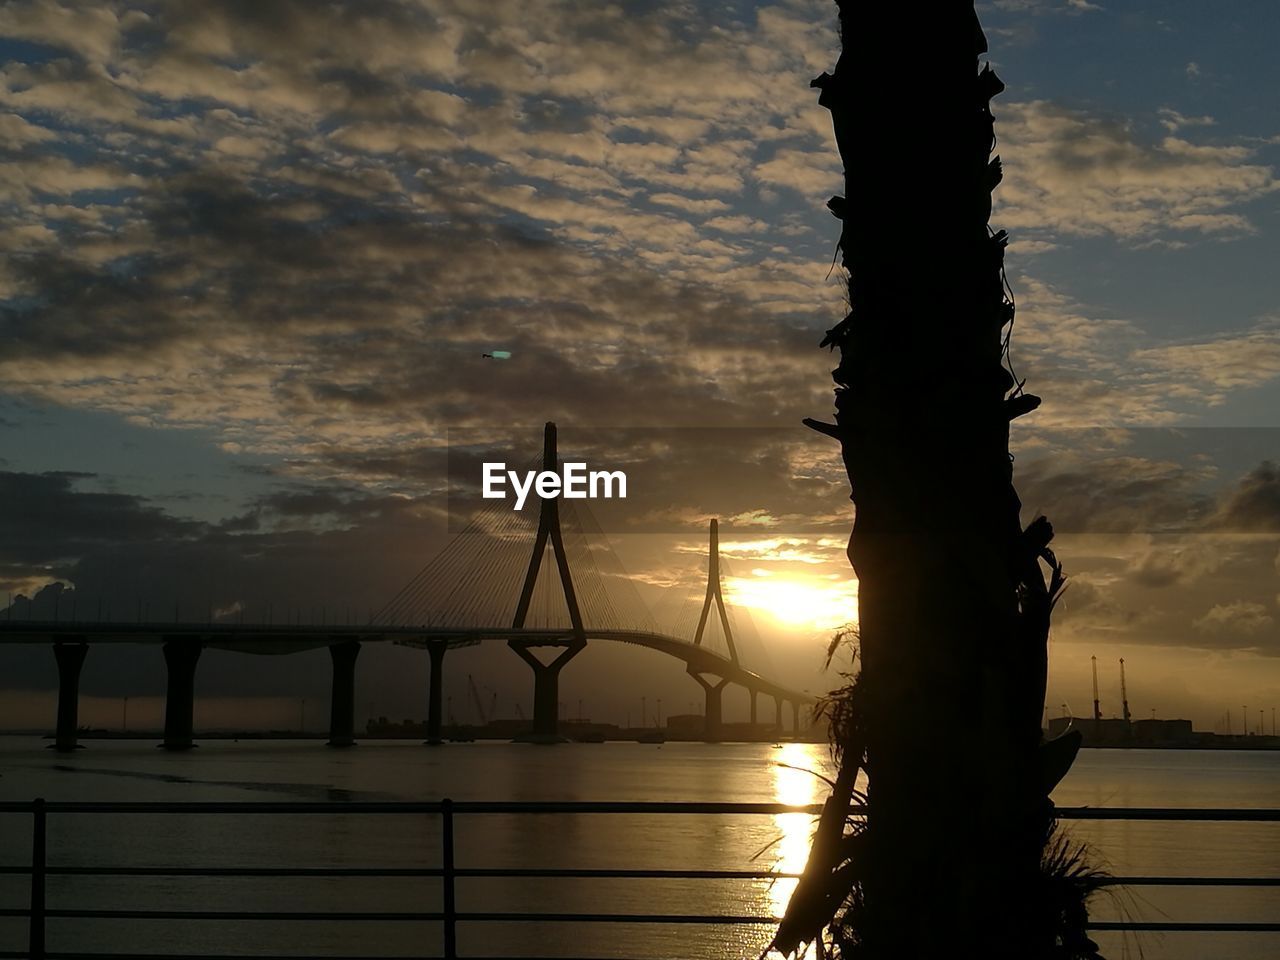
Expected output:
{"points": [[39, 914]]}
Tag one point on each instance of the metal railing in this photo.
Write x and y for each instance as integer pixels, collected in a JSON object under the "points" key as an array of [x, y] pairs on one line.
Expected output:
{"points": [[39, 913]]}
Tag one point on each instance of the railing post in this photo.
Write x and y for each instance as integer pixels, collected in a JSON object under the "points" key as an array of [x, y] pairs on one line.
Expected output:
{"points": [[446, 864], [36, 942]]}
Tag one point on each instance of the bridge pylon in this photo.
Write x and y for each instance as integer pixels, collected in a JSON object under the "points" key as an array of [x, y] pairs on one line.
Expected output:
{"points": [[180, 657], [715, 592], [546, 676], [713, 716], [342, 699], [70, 658]]}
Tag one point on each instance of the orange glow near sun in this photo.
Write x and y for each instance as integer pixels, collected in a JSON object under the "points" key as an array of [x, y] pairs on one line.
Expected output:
{"points": [[798, 602]]}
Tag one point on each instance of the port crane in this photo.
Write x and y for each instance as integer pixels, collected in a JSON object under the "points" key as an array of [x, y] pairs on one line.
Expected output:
{"points": [[481, 712], [1124, 694], [1097, 709]]}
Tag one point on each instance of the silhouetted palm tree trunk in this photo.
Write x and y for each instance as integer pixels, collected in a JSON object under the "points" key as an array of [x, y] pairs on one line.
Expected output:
{"points": [[953, 605]]}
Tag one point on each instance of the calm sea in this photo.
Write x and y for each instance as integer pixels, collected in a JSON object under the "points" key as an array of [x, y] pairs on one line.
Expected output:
{"points": [[291, 771]]}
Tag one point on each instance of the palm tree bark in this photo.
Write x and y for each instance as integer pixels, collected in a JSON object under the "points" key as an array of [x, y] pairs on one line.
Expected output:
{"points": [[953, 605]]}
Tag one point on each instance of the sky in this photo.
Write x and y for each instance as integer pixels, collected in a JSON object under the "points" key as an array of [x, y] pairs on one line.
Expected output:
{"points": [[253, 255]]}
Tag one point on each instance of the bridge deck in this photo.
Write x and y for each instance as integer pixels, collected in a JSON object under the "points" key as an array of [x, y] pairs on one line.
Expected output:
{"points": [[276, 639]]}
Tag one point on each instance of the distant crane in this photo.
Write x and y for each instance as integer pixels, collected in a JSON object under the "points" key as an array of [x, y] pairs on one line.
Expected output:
{"points": [[519, 710], [1097, 709], [1124, 694]]}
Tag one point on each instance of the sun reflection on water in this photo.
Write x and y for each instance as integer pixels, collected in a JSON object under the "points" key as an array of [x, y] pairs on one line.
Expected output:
{"points": [[793, 783]]}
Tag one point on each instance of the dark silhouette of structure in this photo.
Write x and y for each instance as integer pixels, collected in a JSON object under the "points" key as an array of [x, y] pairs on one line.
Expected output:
{"points": [[546, 675], [444, 607], [714, 687], [1124, 695], [953, 603], [1097, 707]]}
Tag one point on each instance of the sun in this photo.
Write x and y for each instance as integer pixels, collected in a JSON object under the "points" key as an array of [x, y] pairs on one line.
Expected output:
{"points": [[796, 601]]}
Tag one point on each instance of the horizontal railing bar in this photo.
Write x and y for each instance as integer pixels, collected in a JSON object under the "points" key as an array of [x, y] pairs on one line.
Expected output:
{"points": [[386, 917], [622, 874], [224, 807], [662, 807], [1187, 927], [560, 873], [672, 918], [245, 871], [551, 873], [474, 873], [1245, 814], [1226, 814], [50, 955], [1190, 881], [396, 807], [273, 915]]}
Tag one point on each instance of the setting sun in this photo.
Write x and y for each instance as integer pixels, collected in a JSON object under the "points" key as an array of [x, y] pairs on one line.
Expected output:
{"points": [[799, 602]]}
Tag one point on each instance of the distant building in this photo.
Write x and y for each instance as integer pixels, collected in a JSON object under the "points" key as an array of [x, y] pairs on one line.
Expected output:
{"points": [[1119, 733], [1163, 731], [686, 726]]}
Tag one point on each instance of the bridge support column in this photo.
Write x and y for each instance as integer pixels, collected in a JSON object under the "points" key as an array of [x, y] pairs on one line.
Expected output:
{"points": [[777, 716], [795, 719], [70, 658], [180, 657], [754, 696], [342, 699], [546, 689], [435, 693], [714, 713]]}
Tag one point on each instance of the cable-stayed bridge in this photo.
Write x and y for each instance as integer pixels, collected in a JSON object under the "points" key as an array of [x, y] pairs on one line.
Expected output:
{"points": [[553, 584]]}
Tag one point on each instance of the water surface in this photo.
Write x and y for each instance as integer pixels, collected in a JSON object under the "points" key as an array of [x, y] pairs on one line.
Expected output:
{"points": [[382, 770]]}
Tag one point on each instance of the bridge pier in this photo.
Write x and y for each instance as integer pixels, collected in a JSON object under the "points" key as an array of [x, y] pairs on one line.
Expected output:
{"points": [[754, 695], [714, 713], [70, 658], [435, 692], [795, 719], [180, 658], [777, 715], [342, 699], [546, 689]]}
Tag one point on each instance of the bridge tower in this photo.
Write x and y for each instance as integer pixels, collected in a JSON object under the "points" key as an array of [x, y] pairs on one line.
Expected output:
{"points": [[715, 594], [546, 676], [70, 658]]}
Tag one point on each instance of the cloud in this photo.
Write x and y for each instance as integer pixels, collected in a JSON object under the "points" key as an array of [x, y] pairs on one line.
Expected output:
{"points": [[1169, 564], [301, 227], [1041, 7], [1097, 369], [1073, 173], [1254, 505], [689, 204], [1114, 494], [1211, 369], [48, 520], [1240, 618], [298, 227]]}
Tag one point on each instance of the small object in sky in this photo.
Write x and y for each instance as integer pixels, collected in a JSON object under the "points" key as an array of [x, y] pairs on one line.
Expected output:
{"points": [[497, 355]]}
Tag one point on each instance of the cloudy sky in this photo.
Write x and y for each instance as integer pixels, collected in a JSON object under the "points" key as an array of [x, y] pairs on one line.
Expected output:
{"points": [[254, 252]]}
